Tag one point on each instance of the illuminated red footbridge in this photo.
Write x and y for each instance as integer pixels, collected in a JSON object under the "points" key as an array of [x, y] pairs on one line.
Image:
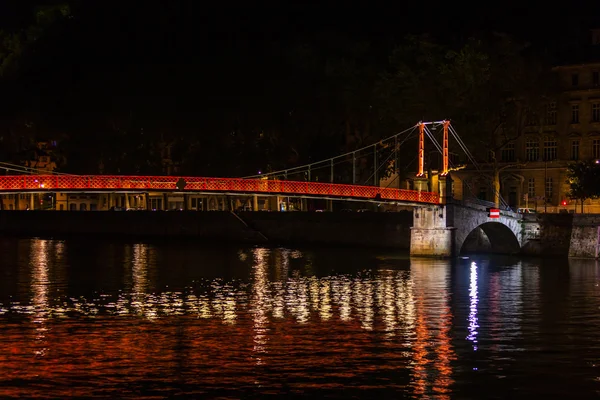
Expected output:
{"points": [[234, 186]]}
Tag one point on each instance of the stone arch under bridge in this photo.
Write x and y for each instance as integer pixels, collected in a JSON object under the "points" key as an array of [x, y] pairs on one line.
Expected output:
{"points": [[443, 230]]}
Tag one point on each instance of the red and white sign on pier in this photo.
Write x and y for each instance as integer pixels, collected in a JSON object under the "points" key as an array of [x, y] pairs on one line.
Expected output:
{"points": [[493, 213]]}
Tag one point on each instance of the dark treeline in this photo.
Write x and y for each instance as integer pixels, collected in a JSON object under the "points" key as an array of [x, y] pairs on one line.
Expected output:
{"points": [[123, 86]]}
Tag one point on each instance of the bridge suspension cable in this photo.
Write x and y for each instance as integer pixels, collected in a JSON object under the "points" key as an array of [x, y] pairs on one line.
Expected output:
{"points": [[424, 130], [27, 170], [444, 151], [392, 154], [328, 162], [476, 165]]}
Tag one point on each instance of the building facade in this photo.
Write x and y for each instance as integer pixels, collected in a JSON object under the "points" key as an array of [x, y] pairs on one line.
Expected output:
{"points": [[534, 174], [533, 167]]}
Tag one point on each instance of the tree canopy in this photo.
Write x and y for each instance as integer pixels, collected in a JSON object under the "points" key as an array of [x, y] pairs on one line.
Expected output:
{"points": [[121, 102], [583, 178], [486, 86]]}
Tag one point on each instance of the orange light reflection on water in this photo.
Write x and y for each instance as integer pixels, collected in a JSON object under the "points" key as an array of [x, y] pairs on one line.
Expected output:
{"points": [[227, 334], [433, 352]]}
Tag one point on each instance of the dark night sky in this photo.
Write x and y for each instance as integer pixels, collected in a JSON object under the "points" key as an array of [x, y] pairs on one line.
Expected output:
{"points": [[214, 23], [190, 57]]}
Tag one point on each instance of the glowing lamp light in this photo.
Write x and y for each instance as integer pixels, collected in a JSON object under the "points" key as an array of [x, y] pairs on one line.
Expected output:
{"points": [[41, 185], [563, 203], [259, 172]]}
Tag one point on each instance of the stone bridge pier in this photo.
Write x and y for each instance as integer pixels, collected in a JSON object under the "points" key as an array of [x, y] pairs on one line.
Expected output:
{"points": [[450, 229]]}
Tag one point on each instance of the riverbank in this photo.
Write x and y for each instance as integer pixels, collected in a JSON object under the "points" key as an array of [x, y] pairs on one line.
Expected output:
{"points": [[368, 229], [562, 235], [546, 235]]}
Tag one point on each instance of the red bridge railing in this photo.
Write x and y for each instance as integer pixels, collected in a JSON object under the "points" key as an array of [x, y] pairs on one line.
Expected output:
{"points": [[15, 183]]}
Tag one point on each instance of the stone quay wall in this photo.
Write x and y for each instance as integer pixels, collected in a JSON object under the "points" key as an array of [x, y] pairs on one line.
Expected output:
{"points": [[546, 235], [369, 229], [563, 235]]}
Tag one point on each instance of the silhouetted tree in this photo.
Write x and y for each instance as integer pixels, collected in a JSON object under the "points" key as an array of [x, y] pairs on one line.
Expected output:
{"points": [[486, 86], [583, 178]]}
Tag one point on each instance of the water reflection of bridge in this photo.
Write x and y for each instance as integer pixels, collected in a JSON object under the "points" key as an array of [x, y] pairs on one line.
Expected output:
{"points": [[423, 315], [409, 309]]}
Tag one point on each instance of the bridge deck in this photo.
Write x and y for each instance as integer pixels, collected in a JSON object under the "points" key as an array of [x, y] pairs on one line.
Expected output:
{"points": [[98, 183]]}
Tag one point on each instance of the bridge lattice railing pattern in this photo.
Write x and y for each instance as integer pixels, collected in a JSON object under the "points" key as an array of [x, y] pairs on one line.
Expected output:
{"points": [[16, 183]]}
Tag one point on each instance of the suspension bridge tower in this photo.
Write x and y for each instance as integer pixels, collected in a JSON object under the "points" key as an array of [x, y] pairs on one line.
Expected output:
{"points": [[431, 234]]}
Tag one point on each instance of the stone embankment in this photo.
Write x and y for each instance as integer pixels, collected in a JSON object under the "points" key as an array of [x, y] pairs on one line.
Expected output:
{"points": [[547, 235], [563, 235], [369, 229]]}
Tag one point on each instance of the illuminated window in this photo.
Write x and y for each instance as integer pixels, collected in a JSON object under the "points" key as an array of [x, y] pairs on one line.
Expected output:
{"points": [[532, 149], [575, 150], [508, 152], [575, 114], [531, 188], [596, 112], [550, 149], [596, 148], [551, 114], [549, 188]]}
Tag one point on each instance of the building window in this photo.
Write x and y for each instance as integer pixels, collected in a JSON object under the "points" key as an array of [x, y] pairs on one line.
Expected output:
{"points": [[530, 117], [575, 114], [155, 204], [508, 152], [575, 150], [531, 188], [575, 80], [550, 149], [532, 148], [595, 78], [548, 189], [596, 148], [596, 112], [551, 114]]}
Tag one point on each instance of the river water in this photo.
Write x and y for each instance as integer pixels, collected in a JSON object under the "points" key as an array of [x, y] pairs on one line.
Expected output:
{"points": [[88, 318]]}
